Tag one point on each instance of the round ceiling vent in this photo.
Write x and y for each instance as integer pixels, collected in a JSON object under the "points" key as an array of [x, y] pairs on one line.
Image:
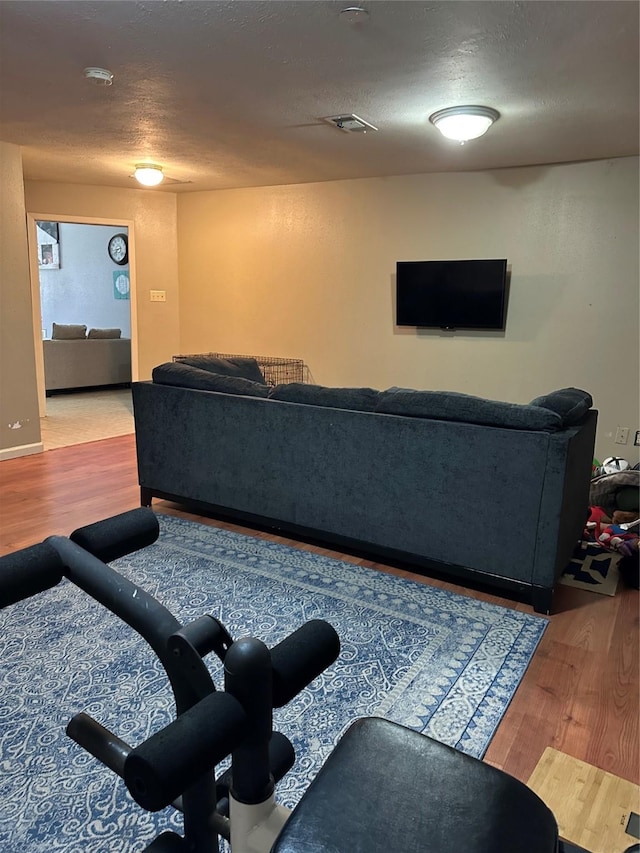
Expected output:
{"points": [[100, 76]]}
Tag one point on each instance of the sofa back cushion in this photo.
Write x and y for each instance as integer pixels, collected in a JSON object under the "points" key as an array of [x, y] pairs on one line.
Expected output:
{"points": [[240, 366], [358, 399], [571, 404], [62, 332], [186, 376], [104, 333], [452, 406]]}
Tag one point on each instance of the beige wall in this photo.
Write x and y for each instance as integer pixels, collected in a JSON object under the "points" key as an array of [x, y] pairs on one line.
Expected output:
{"points": [[19, 420], [153, 255], [309, 271]]}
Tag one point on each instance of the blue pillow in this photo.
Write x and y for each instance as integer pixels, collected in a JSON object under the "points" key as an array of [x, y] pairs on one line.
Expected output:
{"points": [[571, 404], [241, 366], [452, 406], [186, 376]]}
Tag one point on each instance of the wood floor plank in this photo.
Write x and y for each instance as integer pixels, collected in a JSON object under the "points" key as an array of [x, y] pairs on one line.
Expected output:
{"points": [[580, 694]]}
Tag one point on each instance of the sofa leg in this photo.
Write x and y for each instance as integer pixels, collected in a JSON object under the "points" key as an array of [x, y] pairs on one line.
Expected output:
{"points": [[541, 599], [145, 496]]}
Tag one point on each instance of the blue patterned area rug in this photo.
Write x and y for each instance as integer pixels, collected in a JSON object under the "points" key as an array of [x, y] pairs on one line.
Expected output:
{"points": [[438, 662]]}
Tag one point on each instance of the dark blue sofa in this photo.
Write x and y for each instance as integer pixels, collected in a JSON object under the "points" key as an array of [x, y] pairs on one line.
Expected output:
{"points": [[402, 475]]}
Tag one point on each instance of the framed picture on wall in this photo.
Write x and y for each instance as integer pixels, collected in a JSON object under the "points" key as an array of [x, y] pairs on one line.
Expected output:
{"points": [[48, 245], [121, 284]]}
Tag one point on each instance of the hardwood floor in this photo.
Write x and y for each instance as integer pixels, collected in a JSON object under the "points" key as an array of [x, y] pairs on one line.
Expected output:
{"points": [[580, 693]]}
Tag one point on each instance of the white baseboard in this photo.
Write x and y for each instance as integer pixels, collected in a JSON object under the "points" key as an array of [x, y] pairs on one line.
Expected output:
{"points": [[21, 450]]}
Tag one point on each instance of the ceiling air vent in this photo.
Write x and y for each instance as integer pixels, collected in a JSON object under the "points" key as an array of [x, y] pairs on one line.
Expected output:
{"points": [[350, 123]]}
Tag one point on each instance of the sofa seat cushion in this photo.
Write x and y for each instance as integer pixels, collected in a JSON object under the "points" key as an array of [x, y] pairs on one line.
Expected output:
{"points": [[572, 404], [357, 399], [244, 368], [453, 406], [186, 376], [66, 332]]}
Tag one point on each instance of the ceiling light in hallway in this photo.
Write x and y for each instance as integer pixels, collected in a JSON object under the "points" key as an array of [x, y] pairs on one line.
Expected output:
{"points": [[354, 15], [100, 76], [148, 174]]}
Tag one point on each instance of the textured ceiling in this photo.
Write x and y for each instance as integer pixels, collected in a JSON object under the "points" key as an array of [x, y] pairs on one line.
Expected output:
{"points": [[233, 93]]}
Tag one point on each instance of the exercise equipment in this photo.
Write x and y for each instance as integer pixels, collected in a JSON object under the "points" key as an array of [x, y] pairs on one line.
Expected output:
{"points": [[384, 787]]}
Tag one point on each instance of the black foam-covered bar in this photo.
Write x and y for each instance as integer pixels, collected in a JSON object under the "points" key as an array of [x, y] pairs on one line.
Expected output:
{"points": [[300, 657], [119, 535], [282, 755], [169, 762], [28, 572], [248, 677]]}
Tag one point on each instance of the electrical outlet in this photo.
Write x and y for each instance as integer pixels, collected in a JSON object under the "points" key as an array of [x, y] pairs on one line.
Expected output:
{"points": [[157, 295], [636, 440], [622, 435]]}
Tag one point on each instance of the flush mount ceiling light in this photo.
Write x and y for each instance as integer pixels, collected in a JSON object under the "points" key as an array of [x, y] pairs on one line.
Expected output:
{"points": [[354, 15], [464, 123], [100, 76], [148, 174]]}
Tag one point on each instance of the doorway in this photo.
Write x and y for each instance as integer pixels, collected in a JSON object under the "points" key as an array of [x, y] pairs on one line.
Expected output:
{"points": [[80, 277], [80, 283]]}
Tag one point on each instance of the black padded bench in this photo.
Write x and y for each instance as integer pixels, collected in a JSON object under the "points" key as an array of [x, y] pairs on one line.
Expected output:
{"points": [[387, 789]]}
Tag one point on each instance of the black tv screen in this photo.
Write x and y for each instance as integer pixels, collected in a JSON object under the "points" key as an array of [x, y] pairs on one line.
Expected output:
{"points": [[451, 294]]}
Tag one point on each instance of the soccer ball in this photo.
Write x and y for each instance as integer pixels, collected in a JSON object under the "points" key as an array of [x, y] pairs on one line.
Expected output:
{"points": [[613, 464]]}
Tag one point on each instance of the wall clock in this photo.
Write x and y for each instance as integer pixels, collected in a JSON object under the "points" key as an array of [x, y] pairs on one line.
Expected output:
{"points": [[118, 249]]}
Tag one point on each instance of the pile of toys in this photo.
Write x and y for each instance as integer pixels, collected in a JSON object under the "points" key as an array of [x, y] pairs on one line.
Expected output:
{"points": [[614, 513], [619, 533]]}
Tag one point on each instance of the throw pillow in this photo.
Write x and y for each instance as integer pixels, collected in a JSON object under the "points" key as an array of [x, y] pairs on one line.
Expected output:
{"points": [[104, 333], [246, 368], [452, 406], [358, 399], [61, 332], [571, 404], [249, 367], [186, 376]]}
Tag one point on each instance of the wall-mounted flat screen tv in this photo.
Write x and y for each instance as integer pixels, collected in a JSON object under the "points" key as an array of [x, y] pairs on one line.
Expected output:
{"points": [[452, 294]]}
